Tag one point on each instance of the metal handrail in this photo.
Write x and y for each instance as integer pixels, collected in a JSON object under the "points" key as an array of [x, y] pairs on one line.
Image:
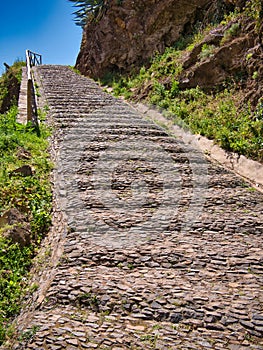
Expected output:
{"points": [[32, 59]]}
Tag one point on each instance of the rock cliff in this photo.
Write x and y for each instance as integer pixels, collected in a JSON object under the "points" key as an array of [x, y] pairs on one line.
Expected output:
{"points": [[129, 32]]}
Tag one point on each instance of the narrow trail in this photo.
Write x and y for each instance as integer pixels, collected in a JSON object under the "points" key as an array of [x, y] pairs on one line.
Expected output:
{"points": [[152, 245]]}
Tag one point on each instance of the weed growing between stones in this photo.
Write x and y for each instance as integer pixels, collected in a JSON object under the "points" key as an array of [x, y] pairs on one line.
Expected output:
{"points": [[30, 195], [27, 335]]}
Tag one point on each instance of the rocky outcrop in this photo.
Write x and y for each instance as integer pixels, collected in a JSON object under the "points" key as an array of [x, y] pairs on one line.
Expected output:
{"points": [[228, 53], [219, 55], [130, 32]]}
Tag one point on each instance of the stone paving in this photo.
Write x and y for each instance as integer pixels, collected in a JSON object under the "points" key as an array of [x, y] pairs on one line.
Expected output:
{"points": [[152, 245]]}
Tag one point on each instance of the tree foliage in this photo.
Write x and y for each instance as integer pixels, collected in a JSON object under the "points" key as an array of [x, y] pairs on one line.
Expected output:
{"points": [[86, 9]]}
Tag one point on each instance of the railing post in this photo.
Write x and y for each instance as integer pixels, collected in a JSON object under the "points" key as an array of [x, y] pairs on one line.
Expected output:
{"points": [[31, 60], [29, 101]]}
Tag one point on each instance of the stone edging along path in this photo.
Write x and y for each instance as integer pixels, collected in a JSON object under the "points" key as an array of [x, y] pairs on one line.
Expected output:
{"points": [[152, 245], [249, 169]]}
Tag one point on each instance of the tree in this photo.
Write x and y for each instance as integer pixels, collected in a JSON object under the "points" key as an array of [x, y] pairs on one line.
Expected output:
{"points": [[86, 9]]}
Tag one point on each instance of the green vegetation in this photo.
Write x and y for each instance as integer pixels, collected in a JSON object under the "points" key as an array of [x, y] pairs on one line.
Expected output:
{"points": [[27, 335], [31, 195], [14, 264], [254, 9], [219, 114], [230, 33], [207, 51]]}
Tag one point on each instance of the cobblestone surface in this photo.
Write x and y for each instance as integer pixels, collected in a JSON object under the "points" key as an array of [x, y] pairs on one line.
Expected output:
{"points": [[152, 245]]}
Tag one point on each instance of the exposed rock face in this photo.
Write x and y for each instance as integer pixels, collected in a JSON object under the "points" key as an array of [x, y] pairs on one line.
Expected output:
{"points": [[15, 227], [12, 94], [221, 61], [236, 58], [128, 34]]}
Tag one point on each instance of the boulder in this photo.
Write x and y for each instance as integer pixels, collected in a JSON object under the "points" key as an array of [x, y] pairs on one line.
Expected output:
{"points": [[24, 170], [14, 226]]}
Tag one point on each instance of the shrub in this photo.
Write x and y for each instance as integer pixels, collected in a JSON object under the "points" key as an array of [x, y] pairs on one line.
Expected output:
{"points": [[206, 52]]}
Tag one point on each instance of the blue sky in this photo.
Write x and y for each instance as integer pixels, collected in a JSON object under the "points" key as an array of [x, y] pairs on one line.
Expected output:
{"points": [[43, 26]]}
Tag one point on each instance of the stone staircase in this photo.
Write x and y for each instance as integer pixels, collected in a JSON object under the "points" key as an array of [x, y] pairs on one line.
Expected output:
{"points": [[152, 245]]}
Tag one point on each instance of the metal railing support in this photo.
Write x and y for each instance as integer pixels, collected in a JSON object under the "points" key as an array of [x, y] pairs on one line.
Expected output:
{"points": [[32, 59]]}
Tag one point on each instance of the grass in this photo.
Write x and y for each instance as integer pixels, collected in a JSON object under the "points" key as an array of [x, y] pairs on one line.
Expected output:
{"points": [[31, 195], [217, 117], [21, 145]]}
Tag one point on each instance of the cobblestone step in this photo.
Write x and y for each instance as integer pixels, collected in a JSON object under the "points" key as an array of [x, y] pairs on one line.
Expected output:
{"points": [[152, 245]]}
